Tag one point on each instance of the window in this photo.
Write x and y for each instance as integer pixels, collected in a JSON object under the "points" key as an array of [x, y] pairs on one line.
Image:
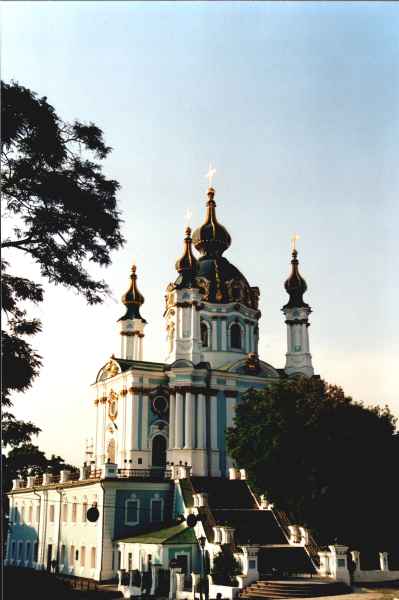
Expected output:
{"points": [[156, 509], [65, 512], [72, 555], [82, 556], [27, 551], [16, 514], [76, 554], [38, 513], [93, 557], [74, 510], [22, 513], [129, 561], [132, 512], [30, 514], [84, 510], [51, 513], [204, 335], [35, 551], [63, 554], [235, 336]]}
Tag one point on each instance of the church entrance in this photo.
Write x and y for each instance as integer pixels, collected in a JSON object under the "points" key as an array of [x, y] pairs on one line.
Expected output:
{"points": [[159, 452]]}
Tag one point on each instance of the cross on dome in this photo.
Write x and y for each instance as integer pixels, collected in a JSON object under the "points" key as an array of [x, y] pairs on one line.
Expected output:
{"points": [[294, 239], [210, 174]]}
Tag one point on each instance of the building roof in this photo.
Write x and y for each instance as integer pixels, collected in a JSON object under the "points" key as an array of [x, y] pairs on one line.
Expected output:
{"points": [[251, 526], [222, 493], [177, 534]]}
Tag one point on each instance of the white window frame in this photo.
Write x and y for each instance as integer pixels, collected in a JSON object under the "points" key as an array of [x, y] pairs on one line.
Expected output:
{"points": [[157, 498], [208, 326], [243, 340], [132, 498]]}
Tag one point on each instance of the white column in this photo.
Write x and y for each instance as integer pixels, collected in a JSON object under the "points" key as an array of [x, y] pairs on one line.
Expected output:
{"points": [[135, 423], [289, 336], [144, 423], [247, 340], [214, 422], [201, 422], [179, 420], [224, 334], [172, 417], [190, 419], [214, 334]]}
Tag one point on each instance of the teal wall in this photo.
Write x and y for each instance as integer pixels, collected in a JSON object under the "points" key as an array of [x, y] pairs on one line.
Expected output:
{"points": [[144, 497]]}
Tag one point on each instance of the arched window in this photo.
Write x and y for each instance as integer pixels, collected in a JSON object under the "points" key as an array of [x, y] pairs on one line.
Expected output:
{"points": [[65, 511], [63, 554], [204, 335], [93, 557], [156, 509], [132, 508], [30, 514], [82, 556], [74, 510], [235, 336], [111, 451], [84, 510], [72, 555], [22, 513]]}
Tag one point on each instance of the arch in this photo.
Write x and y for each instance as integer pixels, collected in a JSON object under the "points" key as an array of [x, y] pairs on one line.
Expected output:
{"points": [[236, 335], [111, 451], [205, 334], [158, 458]]}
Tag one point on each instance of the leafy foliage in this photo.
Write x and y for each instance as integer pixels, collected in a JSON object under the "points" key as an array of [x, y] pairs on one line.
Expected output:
{"points": [[322, 457], [225, 567], [59, 209]]}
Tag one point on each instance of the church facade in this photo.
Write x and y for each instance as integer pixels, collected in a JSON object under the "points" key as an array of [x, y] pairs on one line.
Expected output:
{"points": [[159, 453]]}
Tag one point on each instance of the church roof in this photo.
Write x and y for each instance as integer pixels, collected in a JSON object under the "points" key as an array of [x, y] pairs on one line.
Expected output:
{"points": [[177, 534]]}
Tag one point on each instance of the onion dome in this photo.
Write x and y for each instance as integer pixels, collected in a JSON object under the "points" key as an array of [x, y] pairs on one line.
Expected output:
{"points": [[211, 239], [295, 285], [132, 299], [186, 266]]}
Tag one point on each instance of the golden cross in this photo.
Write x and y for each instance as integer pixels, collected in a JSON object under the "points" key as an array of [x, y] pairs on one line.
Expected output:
{"points": [[294, 239], [210, 174], [189, 214]]}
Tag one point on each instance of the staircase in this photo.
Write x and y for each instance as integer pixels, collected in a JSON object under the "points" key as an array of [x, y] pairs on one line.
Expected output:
{"points": [[293, 588]]}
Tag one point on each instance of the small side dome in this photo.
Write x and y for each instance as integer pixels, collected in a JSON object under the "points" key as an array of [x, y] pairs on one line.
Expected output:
{"points": [[132, 299], [295, 285], [211, 239], [186, 266]]}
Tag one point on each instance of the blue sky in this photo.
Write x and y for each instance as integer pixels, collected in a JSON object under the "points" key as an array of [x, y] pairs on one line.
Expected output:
{"points": [[296, 104]]}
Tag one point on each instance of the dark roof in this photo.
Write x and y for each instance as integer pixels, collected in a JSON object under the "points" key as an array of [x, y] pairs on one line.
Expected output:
{"points": [[292, 559], [224, 493], [251, 526], [295, 285]]}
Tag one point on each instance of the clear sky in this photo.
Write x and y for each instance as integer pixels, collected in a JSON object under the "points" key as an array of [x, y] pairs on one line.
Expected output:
{"points": [[297, 106]]}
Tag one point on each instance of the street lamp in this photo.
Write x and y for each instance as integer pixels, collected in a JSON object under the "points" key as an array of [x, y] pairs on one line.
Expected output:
{"points": [[202, 542]]}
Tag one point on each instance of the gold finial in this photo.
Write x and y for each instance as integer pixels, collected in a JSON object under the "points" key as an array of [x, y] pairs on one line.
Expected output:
{"points": [[210, 174], [134, 268], [294, 240]]}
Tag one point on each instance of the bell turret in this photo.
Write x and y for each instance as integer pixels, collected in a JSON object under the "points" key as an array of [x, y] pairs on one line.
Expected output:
{"points": [[132, 323], [186, 266], [296, 311]]}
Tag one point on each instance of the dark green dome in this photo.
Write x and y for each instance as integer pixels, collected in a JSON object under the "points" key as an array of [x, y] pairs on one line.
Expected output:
{"points": [[221, 282], [132, 299]]}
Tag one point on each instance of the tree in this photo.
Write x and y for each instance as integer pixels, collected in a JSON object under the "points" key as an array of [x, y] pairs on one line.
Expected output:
{"points": [[225, 567], [28, 459], [323, 458], [58, 208]]}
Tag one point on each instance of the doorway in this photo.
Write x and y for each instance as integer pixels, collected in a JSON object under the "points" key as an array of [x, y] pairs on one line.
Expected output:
{"points": [[159, 452]]}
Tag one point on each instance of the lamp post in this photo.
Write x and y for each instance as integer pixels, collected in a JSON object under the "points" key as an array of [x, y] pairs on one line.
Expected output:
{"points": [[202, 542]]}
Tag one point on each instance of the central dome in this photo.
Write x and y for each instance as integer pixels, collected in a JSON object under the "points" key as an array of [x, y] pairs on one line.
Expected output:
{"points": [[219, 280]]}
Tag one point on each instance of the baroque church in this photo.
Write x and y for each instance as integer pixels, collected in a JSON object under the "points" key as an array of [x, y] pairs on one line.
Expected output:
{"points": [[158, 497]]}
